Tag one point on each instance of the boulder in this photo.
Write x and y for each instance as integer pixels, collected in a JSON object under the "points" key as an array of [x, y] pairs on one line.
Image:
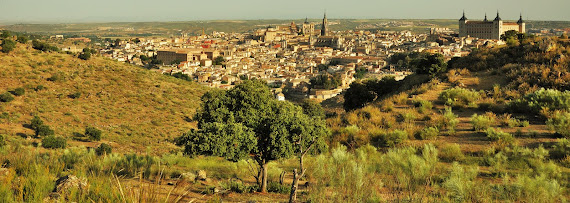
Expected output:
{"points": [[66, 183], [188, 176], [201, 175]]}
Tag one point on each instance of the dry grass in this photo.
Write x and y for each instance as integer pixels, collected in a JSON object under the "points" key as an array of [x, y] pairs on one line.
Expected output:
{"points": [[134, 107]]}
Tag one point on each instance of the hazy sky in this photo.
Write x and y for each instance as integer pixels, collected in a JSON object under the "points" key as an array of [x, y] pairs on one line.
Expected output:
{"points": [[65, 11]]}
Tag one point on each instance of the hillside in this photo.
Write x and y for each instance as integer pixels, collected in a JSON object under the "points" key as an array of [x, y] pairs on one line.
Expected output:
{"points": [[136, 109]]}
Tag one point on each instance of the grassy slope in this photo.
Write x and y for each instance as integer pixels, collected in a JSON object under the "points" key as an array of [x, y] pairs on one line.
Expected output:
{"points": [[135, 108]]}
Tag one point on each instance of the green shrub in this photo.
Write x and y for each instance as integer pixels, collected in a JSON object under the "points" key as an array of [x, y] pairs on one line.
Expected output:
{"points": [[460, 184], [93, 133], [561, 149], [6, 97], [560, 123], [428, 133], [481, 122], [75, 95], [530, 189], [103, 149], [36, 123], [53, 142], [275, 187], [44, 46], [549, 99], [423, 106], [39, 87], [459, 97], [237, 186], [84, 55], [498, 135], [8, 45], [22, 39], [2, 141], [57, 77], [130, 165], [451, 152], [409, 169], [390, 139], [44, 130], [18, 91]]}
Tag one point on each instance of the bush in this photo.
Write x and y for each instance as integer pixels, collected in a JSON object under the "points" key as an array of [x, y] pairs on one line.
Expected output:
{"points": [[236, 186], [18, 91], [275, 187], [43, 46], [549, 99], [103, 149], [2, 141], [561, 149], [75, 95], [423, 106], [84, 55], [53, 142], [93, 133], [459, 97], [428, 133], [44, 130], [481, 122], [498, 135], [451, 152], [36, 123], [8, 46], [560, 123], [57, 77], [460, 183], [390, 139], [22, 39], [6, 97]]}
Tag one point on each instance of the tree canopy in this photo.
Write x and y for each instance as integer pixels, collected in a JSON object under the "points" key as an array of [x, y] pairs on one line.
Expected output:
{"points": [[247, 121], [421, 63]]}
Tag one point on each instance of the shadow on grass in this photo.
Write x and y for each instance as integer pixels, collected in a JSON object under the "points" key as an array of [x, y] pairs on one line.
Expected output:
{"points": [[24, 135], [80, 137]]}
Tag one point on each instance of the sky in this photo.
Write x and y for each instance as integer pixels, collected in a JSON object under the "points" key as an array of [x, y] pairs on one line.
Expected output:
{"points": [[71, 11]]}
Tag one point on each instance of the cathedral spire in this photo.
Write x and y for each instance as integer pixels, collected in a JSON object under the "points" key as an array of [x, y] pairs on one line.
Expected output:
{"points": [[520, 20], [324, 28], [485, 17]]}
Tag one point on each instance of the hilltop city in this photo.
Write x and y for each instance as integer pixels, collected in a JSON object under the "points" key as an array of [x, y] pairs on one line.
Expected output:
{"points": [[288, 56]]}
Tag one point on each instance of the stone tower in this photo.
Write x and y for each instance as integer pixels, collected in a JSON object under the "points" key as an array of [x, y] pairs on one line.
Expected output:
{"points": [[462, 29], [521, 23], [497, 27], [325, 27]]}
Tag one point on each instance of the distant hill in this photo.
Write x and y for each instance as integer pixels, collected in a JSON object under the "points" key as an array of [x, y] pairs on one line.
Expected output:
{"points": [[135, 108], [146, 29]]}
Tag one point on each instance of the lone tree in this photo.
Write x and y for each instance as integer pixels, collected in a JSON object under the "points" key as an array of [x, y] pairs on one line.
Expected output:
{"points": [[248, 122]]}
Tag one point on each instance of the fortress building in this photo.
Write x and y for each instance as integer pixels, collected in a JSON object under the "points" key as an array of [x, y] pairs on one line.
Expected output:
{"points": [[488, 29]]}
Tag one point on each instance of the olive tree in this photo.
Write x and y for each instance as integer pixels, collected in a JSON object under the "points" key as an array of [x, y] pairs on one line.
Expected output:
{"points": [[248, 122]]}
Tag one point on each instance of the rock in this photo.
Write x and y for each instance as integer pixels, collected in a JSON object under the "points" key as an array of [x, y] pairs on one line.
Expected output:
{"points": [[66, 183], [201, 175], [188, 176]]}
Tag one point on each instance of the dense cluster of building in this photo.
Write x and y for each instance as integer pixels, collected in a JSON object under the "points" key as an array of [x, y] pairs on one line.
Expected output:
{"points": [[288, 56]]}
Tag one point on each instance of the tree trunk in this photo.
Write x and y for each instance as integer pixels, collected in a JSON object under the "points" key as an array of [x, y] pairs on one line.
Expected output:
{"points": [[296, 176], [264, 177], [294, 185]]}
